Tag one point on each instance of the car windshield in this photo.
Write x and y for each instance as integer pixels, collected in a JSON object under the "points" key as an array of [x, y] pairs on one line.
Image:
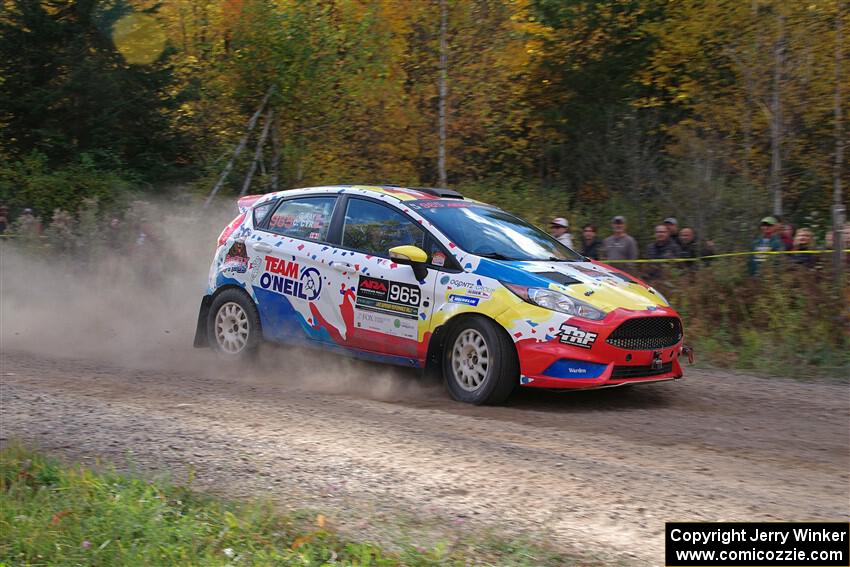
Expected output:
{"points": [[492, 233]]}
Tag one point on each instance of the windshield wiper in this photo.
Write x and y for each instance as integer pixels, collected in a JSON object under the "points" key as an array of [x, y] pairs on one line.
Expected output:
{"points": [[493, 255], [553, 259]]}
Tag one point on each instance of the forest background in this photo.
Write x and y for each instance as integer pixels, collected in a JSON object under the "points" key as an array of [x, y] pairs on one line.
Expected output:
{"points": [[718, 112]]}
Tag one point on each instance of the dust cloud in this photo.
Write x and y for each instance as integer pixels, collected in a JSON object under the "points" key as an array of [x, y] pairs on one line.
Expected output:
{"points": [[136, 304]]}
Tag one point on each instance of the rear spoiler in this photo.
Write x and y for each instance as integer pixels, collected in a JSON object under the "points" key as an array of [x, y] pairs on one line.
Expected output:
{"points": [[246, 202]]}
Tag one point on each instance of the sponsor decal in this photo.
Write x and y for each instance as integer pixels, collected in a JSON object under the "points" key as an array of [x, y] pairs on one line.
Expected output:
{"points": [[288, 278], [300, 220], [236, 259], [437, 204], [565, 368], [387, 296], [574, 336], [439, 259], [473, 301], [388, 324], [478, 289]]}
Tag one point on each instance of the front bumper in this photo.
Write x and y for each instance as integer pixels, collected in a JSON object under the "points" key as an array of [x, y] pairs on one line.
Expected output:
{"points": [[597, 364]]}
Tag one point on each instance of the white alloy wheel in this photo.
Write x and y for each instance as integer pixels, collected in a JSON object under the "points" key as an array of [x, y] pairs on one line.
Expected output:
{"points": [[470, 360], [231, 328]]}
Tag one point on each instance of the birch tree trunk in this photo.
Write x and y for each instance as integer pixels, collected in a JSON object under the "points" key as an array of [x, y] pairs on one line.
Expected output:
{"points": [[444, 57], [837, 231], [239, 147], [776, 118], [258, 153]]}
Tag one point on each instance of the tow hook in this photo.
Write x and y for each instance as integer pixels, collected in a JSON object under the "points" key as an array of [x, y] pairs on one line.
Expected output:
{"points": [[689, 352], [657, 363]]}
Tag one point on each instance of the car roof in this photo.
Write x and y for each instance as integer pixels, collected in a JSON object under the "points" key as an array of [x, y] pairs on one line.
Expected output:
{"points": [[393, 191]]}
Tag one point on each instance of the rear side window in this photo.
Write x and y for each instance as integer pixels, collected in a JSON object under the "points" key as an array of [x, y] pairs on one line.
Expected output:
{"points": [[261, 211], [308, 218], [374, 228]]}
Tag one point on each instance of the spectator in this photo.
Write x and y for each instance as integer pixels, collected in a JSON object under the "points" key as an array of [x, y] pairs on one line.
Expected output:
{"points": [[804, 240], [28, 225], [620, 246], [664, 248], [560, 231], [786, 235], [691, 247], [767, 241], [591, 245], [673, 226], [4, 218]]}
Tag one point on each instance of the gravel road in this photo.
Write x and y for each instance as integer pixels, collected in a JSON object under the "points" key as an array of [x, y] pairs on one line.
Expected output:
{"points": [[597, 473]]}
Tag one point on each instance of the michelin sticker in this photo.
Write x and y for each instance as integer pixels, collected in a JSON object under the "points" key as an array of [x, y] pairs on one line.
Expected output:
{"points": [[473, 301]]}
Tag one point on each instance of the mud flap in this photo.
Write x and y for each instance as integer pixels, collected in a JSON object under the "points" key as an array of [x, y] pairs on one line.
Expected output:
{"points": [[201, 340]]}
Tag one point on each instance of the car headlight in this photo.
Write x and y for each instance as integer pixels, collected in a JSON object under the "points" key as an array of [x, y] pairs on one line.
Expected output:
{"points": [[556, 301]]}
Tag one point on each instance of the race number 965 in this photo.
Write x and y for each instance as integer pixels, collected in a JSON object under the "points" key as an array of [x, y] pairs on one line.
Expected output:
{"points": [[405, 294]]}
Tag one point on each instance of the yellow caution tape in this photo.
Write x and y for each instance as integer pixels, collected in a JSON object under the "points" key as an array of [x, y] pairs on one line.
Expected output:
{"points": [[725, 255]]}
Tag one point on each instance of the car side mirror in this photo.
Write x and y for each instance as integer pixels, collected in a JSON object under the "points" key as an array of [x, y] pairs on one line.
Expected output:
{"points": [[412, 256]]}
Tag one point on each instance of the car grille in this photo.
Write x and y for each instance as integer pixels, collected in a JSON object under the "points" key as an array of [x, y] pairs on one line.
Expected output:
{"points": [[647, 333], [621, 372]]}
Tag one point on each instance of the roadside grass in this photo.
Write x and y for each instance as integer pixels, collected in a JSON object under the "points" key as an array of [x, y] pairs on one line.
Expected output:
{"points": [[57, 514]]}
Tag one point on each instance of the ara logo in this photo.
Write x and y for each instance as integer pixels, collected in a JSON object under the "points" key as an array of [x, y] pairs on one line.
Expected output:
{"points": [[288, 278], [575, 336], [376, 285]]}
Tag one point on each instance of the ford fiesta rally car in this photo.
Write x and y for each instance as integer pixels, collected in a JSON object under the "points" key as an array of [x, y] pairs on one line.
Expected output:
{"points": [[426, 278]]}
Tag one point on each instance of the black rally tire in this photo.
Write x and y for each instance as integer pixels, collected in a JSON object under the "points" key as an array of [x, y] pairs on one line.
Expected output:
{"points": [[233, 325], [467, 379]]}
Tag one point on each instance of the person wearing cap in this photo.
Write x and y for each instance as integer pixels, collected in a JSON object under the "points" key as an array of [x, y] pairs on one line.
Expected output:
{"points": [[673, 228], [559, 228], [766, 241], [620, 246]]}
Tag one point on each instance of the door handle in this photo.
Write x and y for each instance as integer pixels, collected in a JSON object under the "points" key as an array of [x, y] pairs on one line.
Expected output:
{"points": [[262, 247], [342, 267]]}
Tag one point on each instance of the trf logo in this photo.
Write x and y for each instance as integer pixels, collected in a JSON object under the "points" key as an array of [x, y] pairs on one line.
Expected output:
{"points": [[574, 336]]}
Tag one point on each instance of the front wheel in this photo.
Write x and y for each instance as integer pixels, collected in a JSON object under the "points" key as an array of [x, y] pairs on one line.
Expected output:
{"points": [[233, 324], [480, 363]]}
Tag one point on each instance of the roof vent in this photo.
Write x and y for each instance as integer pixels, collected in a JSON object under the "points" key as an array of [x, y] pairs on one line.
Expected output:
{"points": [[442, 193]]}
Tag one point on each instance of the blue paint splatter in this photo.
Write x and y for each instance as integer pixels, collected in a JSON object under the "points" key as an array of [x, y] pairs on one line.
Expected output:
{"points": [[423, 316], [532, 323], [468, 266]]}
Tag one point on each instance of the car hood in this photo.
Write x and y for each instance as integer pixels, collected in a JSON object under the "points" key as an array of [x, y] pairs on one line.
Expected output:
{"points": [[597, 284]]}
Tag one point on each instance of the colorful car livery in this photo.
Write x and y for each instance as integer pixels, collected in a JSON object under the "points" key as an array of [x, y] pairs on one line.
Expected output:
{"points": [[428, 279]]}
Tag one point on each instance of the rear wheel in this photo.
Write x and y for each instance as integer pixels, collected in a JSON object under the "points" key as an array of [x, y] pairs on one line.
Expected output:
{"points": [[233, 324], [479, 362]]}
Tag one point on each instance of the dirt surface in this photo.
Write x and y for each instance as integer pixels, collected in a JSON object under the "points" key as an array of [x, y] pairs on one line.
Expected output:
{"points": [[596, 473], [95, 362]]}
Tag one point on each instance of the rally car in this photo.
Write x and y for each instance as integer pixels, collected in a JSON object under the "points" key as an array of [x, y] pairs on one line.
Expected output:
{"points": [[426, 278]]}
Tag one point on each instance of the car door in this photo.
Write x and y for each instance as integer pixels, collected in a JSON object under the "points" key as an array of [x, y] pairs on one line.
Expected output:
{"points": [[288, 276], [386, 309]]}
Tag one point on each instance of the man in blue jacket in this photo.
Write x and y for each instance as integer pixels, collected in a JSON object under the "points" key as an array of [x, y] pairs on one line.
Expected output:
{"points": [[767, 241]]}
